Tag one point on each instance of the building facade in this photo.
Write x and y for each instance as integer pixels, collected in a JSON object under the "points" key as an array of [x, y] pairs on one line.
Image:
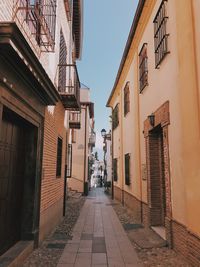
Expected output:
{"points": [[83, 141], [155, 113], [40, 42]]}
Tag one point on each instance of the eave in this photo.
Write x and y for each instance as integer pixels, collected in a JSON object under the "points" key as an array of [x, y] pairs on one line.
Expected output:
{"points": [[127, 47], [78, 26], [16, 51]]}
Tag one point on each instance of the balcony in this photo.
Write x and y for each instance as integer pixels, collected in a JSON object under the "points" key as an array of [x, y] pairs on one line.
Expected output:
{"points": [[92, 139], [69, 86], [74, 120], [38, 20]]}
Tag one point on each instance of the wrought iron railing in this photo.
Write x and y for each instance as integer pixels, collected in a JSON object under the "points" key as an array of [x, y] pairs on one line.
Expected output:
{"points": [[40, 17], [74, 117], [68, 80]]}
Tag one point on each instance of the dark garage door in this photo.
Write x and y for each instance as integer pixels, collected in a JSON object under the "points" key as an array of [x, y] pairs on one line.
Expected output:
{"points": [[12, 153]]}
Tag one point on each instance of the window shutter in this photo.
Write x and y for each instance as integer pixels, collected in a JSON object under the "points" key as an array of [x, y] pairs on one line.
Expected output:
{"points": [[127, 169]]}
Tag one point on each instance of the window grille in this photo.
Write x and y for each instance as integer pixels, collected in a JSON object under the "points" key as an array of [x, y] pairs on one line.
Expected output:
{"points": [[143, 67], [59, 157], [160, 34], [69, 161], [40, 16], [126, 98], [127, 169], [115, 171], [115, 117], [62, 64], [73, 136]]}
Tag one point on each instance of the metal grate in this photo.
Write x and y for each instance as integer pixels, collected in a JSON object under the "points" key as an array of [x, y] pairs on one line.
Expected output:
{"points": [[143, 67], [160, 34], [40, 17]]}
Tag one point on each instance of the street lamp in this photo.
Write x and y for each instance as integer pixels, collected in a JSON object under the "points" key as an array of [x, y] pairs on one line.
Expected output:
{"points": [[106, 136], [103, 133]]}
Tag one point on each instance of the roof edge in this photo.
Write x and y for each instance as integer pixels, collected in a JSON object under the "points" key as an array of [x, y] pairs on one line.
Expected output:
{"points": [[127, 47]]}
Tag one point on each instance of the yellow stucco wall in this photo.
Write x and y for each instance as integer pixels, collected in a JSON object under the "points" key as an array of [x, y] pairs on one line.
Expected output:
{"points": [[177, 81]]}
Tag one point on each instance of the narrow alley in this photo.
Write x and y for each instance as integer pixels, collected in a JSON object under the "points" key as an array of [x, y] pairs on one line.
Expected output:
{"points": [[99, 133]]}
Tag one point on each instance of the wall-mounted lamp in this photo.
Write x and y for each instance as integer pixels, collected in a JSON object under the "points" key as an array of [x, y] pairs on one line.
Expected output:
{"points": [[151, 119]]}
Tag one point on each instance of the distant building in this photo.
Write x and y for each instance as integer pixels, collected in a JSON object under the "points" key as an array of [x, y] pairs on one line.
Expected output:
{"points": [[83, 141], [155, 119]]}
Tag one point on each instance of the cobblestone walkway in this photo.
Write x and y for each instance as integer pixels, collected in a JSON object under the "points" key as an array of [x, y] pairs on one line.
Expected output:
{"points": [[98, 237]]}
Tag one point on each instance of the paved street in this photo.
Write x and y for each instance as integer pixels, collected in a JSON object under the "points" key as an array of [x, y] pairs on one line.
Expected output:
{"points": [[98, 237]]}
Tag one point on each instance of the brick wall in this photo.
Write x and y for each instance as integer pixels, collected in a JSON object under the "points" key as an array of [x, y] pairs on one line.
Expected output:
{"points": [[186, 243], [52, 186], [134, 205]]}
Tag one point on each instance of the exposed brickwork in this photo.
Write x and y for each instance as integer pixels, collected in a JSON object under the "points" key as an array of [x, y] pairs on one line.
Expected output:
{"points": [[145, 215], [157, 157], [134, 205], [52, 186], [186, 243], [118, 193]]}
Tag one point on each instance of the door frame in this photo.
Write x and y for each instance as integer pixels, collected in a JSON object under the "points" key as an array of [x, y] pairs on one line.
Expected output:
{"points": [[162, 118]]}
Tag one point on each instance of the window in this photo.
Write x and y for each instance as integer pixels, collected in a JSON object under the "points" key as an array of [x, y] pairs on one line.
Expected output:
{"points": [[59, 157], [127, 169], [126, 98], [160, 34], [115, 117], [143, 68], [73, 136], [40, 16], [62, 64], [69, 161], [115, 172]]}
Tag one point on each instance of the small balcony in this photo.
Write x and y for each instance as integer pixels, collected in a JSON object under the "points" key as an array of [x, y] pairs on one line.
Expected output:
{"points": [[69, 86], [74, 120], [92, 139], [37, 18]]}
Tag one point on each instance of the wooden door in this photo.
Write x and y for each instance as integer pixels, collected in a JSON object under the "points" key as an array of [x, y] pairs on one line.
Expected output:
{"points": [[12, 150]]}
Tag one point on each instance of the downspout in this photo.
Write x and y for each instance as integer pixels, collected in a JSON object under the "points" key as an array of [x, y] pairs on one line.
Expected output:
{"points": [[112, 151], [122, 148], [139, 148], [84, 178]]}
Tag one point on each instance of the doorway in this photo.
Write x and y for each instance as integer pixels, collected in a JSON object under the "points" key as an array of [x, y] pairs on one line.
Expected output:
{"points": [[18, 151], [157, 192]]}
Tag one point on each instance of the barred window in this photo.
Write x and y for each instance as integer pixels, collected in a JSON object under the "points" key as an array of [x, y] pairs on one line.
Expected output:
{"points": [[115, 117], [73, 136], [160, 34], [143, 67], [115, 171], [40, 16], [62, 64], [126, 98], [59, 157], [127, 169], [69, 160]]}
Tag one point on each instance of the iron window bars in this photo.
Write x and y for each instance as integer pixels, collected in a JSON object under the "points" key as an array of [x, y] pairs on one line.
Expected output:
{"points": [[143, 67], [126, 98], [160, 34], [40, 17], [115, 172], [59, 157], [127, 169], [115, 117]]}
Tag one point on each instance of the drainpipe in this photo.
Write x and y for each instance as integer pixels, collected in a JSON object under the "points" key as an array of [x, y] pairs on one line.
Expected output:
{"points": [[139, 149], [112, 152], [85, 142]]}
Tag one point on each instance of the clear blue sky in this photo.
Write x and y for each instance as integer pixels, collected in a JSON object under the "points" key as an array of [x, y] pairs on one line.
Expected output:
{"points": [[105, 32]]}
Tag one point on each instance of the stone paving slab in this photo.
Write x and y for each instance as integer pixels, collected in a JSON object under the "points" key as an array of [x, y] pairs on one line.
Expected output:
{"points": [[98, 238]]}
